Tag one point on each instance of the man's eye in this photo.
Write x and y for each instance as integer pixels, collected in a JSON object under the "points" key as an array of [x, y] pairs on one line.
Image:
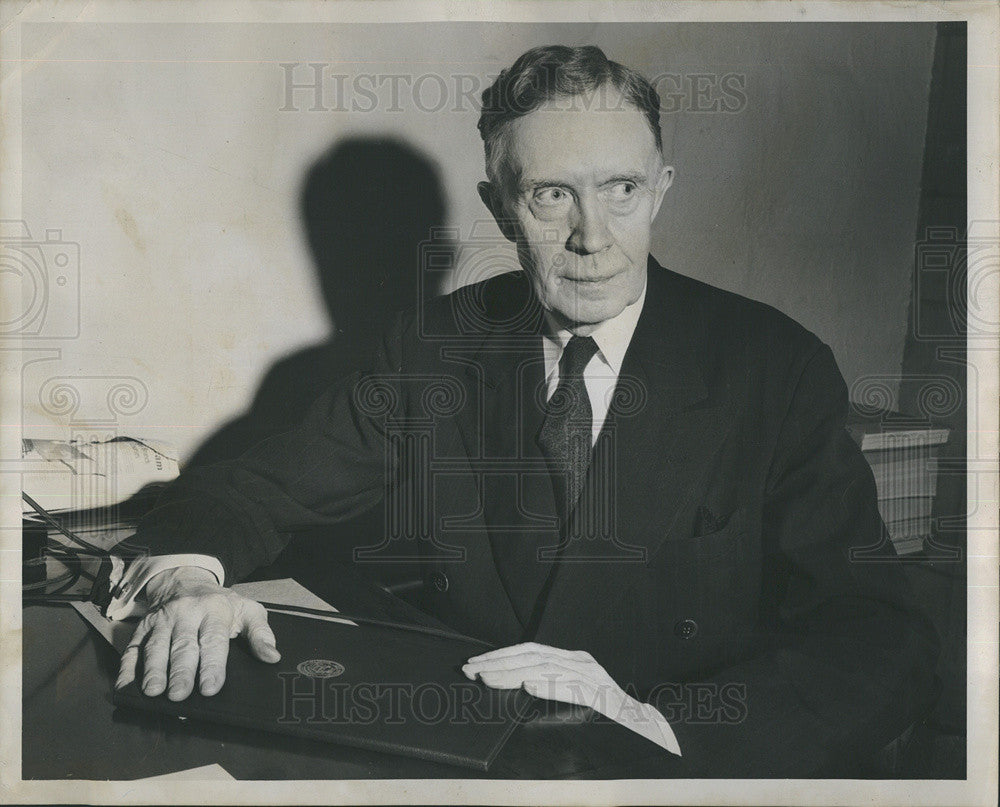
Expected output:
{"points": [[551, 196], [623, 191]]}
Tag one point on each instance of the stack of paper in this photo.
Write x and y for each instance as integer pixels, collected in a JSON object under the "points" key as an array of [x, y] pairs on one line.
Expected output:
{"points": [[903, 457], [64, 476]]}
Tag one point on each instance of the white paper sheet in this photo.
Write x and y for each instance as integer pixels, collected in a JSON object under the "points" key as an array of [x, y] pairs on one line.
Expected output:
{"points": [[206, 773]]}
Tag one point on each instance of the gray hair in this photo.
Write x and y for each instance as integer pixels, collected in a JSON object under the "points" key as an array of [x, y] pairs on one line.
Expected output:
{"points": [[551, 71]]}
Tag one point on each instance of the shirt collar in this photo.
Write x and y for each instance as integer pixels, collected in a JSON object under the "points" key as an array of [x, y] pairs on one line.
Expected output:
{"points": [[612, 337]]}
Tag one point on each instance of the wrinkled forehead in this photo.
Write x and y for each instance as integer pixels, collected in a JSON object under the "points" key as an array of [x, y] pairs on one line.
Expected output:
{"points": [[580, 137]]}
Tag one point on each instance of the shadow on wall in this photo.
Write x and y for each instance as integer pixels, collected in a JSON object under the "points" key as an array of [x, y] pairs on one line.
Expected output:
{"points": [[367, 206]]}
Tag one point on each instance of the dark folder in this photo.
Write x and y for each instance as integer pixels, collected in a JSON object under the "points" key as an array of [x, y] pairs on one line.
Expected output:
{"points": [[373, 687]]}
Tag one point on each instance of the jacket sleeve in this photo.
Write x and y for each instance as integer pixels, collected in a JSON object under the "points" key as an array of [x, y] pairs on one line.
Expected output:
{"points": [[847, 660], [331, 467]]}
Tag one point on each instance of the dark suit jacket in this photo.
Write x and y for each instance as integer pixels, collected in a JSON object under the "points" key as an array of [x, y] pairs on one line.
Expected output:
{"points": [[713, 573]]}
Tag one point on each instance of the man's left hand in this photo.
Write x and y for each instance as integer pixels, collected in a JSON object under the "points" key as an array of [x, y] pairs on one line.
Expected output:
{"points": [[569, 676]]}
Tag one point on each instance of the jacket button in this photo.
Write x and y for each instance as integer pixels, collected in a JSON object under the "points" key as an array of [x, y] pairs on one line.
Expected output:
{"points": [[686, 629], [440, 581]]}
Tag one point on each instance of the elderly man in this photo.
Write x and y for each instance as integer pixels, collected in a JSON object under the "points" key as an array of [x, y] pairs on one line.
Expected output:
{"points": [[646, 481]]}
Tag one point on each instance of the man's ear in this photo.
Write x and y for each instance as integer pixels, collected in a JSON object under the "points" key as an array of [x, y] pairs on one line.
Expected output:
{"points": [[492, 197], [663, 181]]}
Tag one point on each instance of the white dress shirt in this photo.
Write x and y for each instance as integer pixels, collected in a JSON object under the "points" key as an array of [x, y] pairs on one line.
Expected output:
{"points": [[600, 376]]}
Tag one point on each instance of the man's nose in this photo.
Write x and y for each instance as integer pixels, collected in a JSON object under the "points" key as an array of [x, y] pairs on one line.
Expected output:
{"points": [[589, 233]]}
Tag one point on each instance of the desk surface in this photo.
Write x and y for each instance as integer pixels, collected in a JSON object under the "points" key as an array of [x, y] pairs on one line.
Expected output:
{"points": [[72, 730]]}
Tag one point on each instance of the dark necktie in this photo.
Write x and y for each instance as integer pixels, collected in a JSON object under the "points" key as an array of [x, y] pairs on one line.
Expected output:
{"points": [[566, 431]]}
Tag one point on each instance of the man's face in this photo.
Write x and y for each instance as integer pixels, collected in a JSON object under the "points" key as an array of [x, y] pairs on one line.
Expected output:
{"points": [[584, 181]]}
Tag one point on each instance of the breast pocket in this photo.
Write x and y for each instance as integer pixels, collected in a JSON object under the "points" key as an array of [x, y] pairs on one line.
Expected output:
{"points": [[708, 540], [705, 580], [696, 601]]}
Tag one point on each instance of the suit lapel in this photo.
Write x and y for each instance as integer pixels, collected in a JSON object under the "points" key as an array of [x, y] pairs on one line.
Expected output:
{"points": [[661, 434], [519, 502], [499, 434]]}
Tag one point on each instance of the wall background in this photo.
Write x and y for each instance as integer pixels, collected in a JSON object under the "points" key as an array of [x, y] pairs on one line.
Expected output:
{"points": [[163, 151]]}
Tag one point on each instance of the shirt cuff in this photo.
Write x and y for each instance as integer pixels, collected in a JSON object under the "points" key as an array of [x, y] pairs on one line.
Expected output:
{"points": [[142, 570]]}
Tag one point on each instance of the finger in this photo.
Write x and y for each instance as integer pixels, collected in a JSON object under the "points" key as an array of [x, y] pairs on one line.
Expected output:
{"points": [[532, 647], [523, 661], [516, 677], [184, 653], [473, 667], [126, 670], [259, 634], [503, 652], [156, 652], [530, 659], [213, 643]]}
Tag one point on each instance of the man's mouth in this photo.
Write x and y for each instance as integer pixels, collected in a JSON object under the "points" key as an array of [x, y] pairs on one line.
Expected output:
{"points": [[602, 279]]}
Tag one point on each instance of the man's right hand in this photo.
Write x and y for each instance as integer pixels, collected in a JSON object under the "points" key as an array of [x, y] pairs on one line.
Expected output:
{"points": [[187, 630]]}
